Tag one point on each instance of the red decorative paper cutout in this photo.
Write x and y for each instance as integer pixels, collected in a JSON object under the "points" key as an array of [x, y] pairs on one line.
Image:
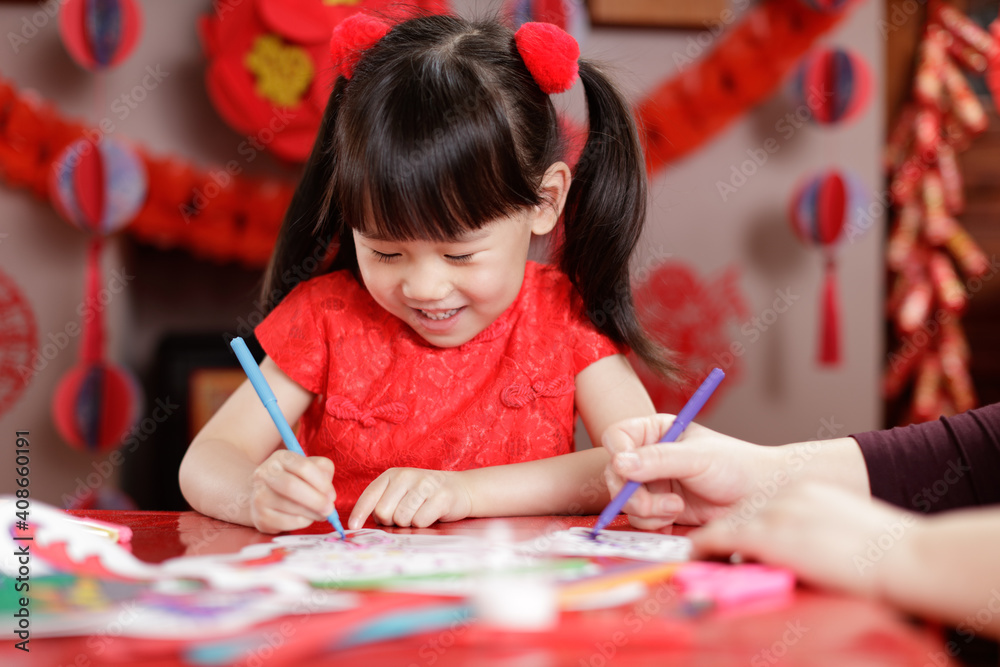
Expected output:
{"points": [[19, 333], [700, 321]]}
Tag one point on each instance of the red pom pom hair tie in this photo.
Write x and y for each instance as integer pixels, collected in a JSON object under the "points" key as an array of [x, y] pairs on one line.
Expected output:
{"points": [[352, 37], [551, 55]]}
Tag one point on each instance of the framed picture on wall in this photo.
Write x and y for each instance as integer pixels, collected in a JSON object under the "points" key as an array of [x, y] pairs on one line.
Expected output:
{"points": [[658, 13]]}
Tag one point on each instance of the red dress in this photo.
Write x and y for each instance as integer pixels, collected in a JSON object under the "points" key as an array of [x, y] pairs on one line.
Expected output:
{"points": [[386, 398]]}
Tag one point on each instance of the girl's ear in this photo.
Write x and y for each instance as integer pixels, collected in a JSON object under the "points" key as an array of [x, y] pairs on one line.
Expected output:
{"points": [[553, 191]]}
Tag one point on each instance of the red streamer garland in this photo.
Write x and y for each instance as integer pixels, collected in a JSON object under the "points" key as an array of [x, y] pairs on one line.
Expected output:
{"points": [[236, 218]]}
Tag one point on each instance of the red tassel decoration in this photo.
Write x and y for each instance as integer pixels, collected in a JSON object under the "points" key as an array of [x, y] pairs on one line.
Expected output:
{"points": [[820, 211], [829, 348]]}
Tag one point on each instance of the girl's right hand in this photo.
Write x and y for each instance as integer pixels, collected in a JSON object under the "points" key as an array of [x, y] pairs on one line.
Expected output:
{"points": [[291, 492]]}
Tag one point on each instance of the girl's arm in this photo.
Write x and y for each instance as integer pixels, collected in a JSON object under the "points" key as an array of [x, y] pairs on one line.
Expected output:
{"points": [[606, 391], [237, 469]]}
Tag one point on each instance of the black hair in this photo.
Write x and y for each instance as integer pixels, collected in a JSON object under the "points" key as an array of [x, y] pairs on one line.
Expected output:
{"points": [[441, 130]]}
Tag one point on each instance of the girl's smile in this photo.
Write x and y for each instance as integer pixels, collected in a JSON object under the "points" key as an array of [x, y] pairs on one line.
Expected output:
{"points": [[438, 321]]}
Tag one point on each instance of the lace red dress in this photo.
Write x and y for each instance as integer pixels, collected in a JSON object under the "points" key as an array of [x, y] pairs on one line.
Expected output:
{"points": [[386, 398]]}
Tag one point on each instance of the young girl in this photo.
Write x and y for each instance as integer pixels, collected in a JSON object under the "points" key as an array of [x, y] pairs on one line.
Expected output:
{"points": [[436, 371]]}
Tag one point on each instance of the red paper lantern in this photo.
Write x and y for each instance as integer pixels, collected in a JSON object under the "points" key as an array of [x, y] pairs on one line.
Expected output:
{"points": [[99, 33], [95, 402], [98, 187], [834, 84], [821, 210]]}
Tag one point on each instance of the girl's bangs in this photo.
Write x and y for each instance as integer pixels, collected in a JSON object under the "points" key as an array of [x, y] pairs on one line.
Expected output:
{"points": [[430, 164]]}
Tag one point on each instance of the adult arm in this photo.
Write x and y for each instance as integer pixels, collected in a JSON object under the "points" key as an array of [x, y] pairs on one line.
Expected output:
{"points": [[706, 474], [935, 466], [941, 567]]}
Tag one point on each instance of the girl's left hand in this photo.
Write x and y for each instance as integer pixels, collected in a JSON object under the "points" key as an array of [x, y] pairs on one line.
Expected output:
{"points": [[413, 497]]}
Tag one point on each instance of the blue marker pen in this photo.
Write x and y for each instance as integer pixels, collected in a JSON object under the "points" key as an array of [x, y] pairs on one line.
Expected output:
{"points": [[270, 402]]}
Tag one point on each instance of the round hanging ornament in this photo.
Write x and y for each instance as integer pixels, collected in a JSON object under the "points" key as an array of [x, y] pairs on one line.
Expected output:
{"points": [[98, 187], [99, 33], [95, 402], [822, 208], [834, 84]]}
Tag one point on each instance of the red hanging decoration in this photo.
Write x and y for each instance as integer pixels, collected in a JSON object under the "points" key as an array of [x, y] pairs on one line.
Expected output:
{"points": [[748, 64], [99, 33], [819, 213], [928, 249], [98, 188], [834, 84], [225, 216], [19, 332], [96, 402]]}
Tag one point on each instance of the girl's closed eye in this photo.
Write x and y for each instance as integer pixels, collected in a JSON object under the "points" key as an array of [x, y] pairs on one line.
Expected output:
{"points": [[460, 259], [384, 257]]}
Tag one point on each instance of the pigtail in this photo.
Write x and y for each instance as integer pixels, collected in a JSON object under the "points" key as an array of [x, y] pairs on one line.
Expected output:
{"points": [[605, 213], [311, 240]]}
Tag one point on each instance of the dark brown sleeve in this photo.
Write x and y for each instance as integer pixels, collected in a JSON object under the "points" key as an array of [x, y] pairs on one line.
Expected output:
{"points": [[942, 465]]}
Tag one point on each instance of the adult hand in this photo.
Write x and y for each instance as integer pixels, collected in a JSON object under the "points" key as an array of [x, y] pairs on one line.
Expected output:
{"points": [[413, 497], [829, 536], [290, 491], [698, 478]]}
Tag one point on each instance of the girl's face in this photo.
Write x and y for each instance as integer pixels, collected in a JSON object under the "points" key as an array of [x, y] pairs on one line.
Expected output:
{"points": [[448, 292]]}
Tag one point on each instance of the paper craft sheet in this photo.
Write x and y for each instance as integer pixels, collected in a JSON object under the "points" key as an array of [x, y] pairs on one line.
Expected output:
{"points": [[214, 594], [577, 541]]}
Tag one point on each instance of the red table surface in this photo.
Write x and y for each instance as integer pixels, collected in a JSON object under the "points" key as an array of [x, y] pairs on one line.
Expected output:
{"points": [[810, 628]]}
